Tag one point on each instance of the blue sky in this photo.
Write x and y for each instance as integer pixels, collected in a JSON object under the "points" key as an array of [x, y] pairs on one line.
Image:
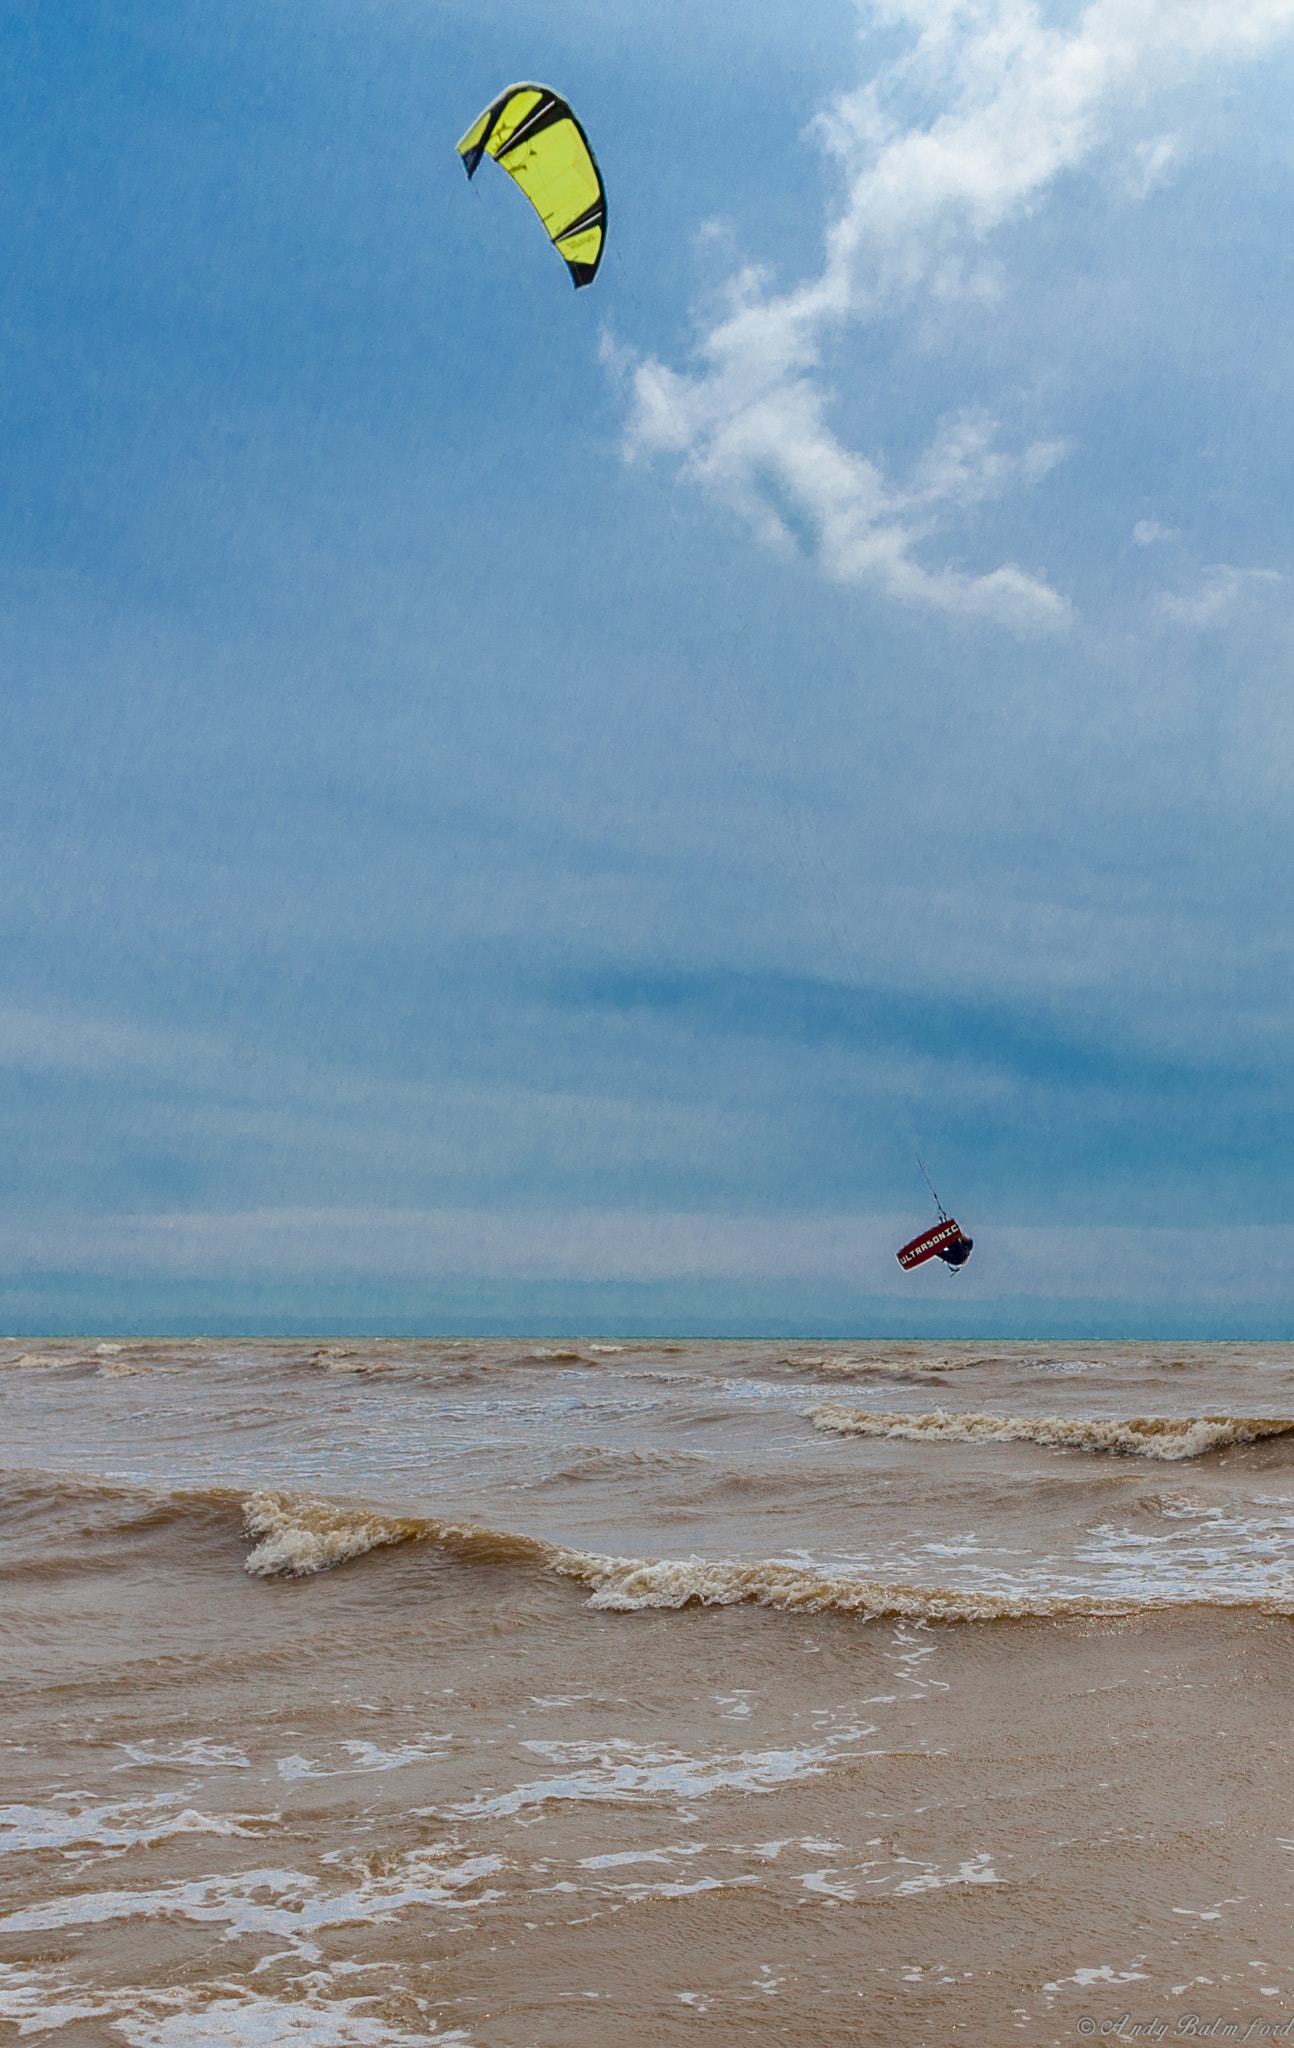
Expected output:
{"points": [[515, 807]]}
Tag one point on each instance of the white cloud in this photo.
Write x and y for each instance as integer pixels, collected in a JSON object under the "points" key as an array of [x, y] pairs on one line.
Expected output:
{"points": [[1147, 531], [755, 433], [1217, 596], [962, 467], [1017, 104], [62, 1042], [1152, 164]]}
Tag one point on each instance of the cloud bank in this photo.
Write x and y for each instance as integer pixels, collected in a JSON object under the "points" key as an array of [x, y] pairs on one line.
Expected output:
{"points": [[1250, 1264], [1010, 105]]}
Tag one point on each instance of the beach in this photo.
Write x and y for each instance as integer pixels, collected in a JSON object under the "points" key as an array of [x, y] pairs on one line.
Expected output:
{"points": [[522, 1694]]}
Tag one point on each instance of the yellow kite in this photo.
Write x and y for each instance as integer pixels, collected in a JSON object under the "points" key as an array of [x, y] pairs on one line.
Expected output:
{"points": [[539, 142]]}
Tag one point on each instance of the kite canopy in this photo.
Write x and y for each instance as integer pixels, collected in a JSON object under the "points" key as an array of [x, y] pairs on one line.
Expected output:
{"points": [[539, 142]]}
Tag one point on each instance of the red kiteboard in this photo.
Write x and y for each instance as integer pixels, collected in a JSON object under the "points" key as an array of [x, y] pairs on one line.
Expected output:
{"points": [[946, 1237]]}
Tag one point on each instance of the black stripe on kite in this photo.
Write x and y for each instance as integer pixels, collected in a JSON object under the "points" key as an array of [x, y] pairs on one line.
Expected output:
{"points": [[545, 115], [592, 216]]}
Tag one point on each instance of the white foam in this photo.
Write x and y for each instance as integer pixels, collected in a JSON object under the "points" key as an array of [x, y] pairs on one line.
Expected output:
{"points": [[975, 1870], [762, 1390], [678, 1889], [135, 1823], [205, 2016], [287, 1904], [623, 1857], [850, 1884], [1208, 1556], [618, 1770], [1105, 1973], [252, 2021], [36, 2002], [365, 1757], [196, 1754]]}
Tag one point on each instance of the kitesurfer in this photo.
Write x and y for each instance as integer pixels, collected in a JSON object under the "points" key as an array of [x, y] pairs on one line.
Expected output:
{"points": [[947, 1241], [956, 1253]]}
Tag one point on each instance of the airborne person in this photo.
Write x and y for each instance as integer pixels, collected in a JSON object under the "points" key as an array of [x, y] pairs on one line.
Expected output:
{"points": [[946, 1241]]}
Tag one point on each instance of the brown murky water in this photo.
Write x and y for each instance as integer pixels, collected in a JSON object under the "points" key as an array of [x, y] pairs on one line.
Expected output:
{"points": [[521, 1696]]}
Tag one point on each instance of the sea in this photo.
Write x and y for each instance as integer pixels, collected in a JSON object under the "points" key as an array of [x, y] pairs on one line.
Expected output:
{"points": [[563, 1695]]}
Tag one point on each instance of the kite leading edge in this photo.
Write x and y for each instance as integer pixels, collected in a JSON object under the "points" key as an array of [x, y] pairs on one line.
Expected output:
{"points": [[538, 141]]}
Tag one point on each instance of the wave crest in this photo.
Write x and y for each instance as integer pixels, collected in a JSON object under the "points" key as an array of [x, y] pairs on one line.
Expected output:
{"points": [[299, 1534], [632, 1585], [1166, 1437]]}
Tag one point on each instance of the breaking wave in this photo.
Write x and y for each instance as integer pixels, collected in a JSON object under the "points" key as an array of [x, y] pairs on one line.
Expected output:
{"points": [[336, 1359], [301, 1535], [1169, 1438], [297, 1535]]}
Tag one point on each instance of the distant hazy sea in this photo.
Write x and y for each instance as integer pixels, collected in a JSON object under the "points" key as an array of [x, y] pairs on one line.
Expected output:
{"points": [[533, 1694]]}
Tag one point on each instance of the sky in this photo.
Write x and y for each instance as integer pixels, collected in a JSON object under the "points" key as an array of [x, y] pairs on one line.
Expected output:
{"points": [[525, 810]]}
